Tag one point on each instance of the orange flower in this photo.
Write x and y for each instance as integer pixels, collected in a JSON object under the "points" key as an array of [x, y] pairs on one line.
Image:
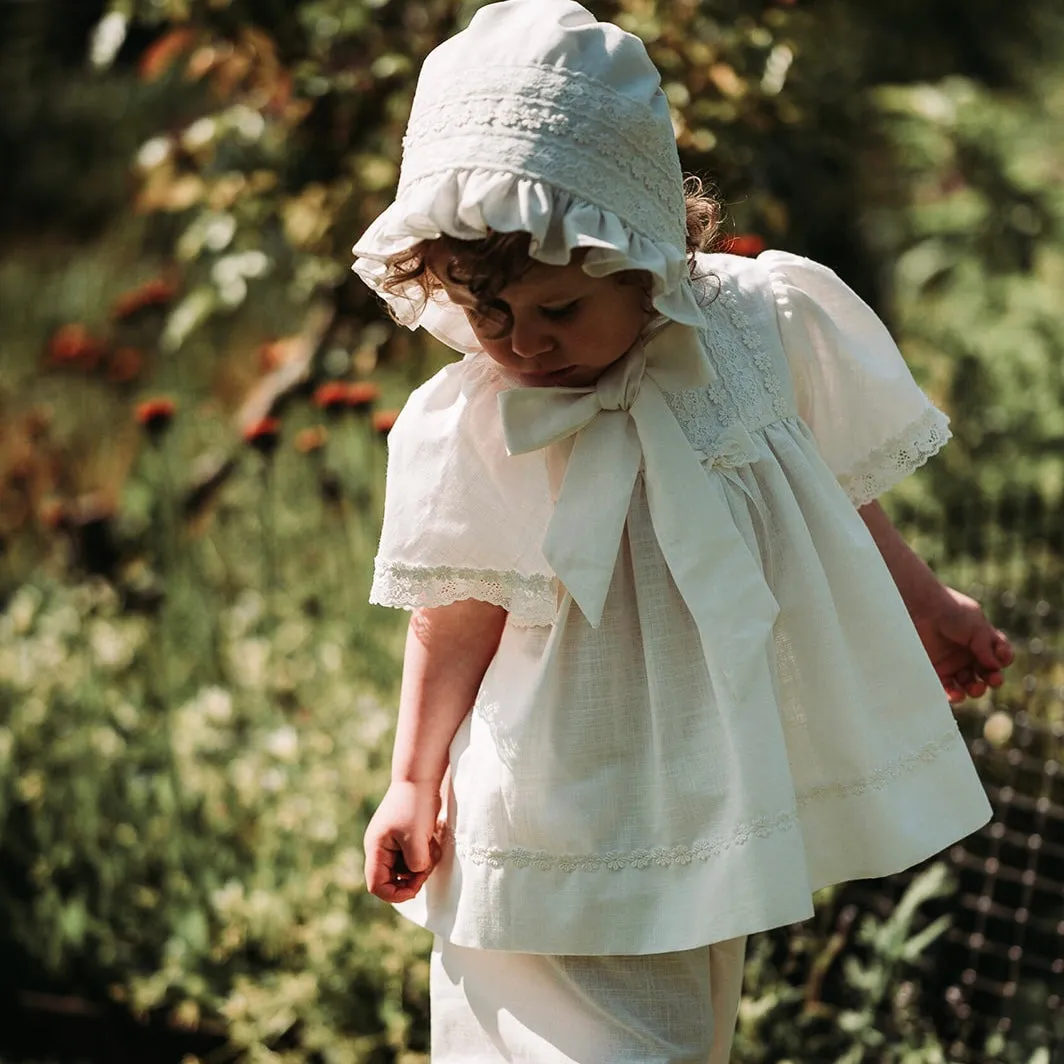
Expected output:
{"points": [[383, 420], [749, 244], [272, 355], [155, 415], [160, 55], [360, 395], [73, 346], [281, 94], [152, 293], [264, 435], [124, 365], [310, 440], [52, 513], [331, 396]]}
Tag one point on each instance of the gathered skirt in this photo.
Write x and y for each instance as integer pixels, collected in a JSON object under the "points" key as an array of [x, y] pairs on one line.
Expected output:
{"points": [[491, 1006]]}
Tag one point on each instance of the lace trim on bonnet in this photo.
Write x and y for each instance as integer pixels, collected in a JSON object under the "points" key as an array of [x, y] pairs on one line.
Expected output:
{"points": [[466, 203]]}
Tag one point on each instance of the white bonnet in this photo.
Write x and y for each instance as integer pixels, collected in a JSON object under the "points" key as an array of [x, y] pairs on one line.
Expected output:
{"points": [[537, 118]]}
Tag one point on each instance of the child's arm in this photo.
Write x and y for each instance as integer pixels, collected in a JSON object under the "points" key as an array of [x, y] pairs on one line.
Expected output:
{"points": [[968, 653], [448, 650]]}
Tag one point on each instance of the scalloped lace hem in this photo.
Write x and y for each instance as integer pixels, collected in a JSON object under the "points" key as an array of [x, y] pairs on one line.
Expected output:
{"points": [[897, 458], [707, 849], [530, 600]]}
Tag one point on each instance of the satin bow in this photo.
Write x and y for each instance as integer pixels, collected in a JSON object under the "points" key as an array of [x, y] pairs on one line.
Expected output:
{"points": [[622, 423]]}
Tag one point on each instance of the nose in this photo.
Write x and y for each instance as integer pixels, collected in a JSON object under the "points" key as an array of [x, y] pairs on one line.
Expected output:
{"points": [[529, 339]]}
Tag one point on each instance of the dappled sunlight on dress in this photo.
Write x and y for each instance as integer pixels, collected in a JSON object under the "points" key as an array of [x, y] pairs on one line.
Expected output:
{"points": [[656, 760]]}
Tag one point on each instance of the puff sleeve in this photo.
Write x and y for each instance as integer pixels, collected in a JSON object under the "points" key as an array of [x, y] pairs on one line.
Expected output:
{"points": [[462, 518], [870, 419]]}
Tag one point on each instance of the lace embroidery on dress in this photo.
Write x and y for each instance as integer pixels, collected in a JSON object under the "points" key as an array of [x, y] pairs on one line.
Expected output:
{"points": [[656, 856], [530, 600], [749, 396], [696, 412], [706, 849], [897, 458], [746, 387]]}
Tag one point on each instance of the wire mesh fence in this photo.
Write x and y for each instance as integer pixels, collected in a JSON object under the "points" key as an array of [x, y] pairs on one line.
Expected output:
{"points": [[996, 978]]}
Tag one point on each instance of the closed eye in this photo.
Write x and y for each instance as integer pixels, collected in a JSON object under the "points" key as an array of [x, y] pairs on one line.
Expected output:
{"points": [[560, 313]]}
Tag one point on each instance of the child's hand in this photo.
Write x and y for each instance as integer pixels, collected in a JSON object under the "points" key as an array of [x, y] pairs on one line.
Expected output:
{"points": [[968, 653], [401, 844]]}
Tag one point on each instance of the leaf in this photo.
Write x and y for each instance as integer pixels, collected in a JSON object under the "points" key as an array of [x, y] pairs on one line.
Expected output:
{"points": [[918, 943], [188, 316], [74, 921]]}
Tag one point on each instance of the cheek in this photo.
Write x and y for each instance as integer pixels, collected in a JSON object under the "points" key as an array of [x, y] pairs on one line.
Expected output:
{"points": [[499, 350], [615, 332]]}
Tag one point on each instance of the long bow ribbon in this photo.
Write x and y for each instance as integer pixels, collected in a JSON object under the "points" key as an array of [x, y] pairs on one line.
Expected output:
{"points": [[621, 423]]}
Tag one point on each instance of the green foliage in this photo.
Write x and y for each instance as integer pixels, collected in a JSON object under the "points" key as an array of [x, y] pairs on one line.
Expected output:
{"points": [[190, 741], [202, 856], [978, 262], [844, 990], [189, 750]]}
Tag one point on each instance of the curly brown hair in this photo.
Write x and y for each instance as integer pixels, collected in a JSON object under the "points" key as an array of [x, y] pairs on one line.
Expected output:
{"points": [[488, 266]]}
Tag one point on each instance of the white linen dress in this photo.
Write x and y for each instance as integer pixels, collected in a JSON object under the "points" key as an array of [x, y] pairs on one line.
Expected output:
{"points": [[605, 797]]}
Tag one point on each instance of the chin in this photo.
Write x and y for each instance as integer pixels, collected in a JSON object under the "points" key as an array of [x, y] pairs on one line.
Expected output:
{"points": [[546, 380]]}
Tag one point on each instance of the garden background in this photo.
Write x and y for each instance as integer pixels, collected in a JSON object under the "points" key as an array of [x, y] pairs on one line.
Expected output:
{"points": [[195, 702]]}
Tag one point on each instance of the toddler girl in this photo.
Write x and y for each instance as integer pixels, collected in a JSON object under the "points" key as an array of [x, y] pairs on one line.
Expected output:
{"points": [[670, 670]]}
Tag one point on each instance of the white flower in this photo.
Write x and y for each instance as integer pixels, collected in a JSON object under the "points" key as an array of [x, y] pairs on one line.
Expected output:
{"points": [[348, 870], [248, 659], [226, 270], [49, 654], [272, 780], [374, 722], [228, 899], [107, 39], [248, 123], [154, 153], [106, 742], [776, 68], [283, 743], [219, 232], [290, 636], [323, 830], [199, 134], [254, 263], [23, 608], [234, 293], [217, 705], [111, 648], [335, 923], [933, 104], [245, 778], [247, 609]]}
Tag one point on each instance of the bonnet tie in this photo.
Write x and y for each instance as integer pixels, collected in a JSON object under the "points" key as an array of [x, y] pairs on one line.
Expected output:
{"points": [[622, 423]]}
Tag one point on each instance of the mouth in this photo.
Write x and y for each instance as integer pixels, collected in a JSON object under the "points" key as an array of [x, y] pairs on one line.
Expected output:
{"points": [[546, 379]]}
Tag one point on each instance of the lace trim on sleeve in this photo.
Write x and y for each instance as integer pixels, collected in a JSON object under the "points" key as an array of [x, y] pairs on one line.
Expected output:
{"points": [[897, 458], [530, 600]]}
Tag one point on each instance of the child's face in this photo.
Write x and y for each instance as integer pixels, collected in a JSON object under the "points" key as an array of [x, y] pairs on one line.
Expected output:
{"points": [[567, 327]]}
